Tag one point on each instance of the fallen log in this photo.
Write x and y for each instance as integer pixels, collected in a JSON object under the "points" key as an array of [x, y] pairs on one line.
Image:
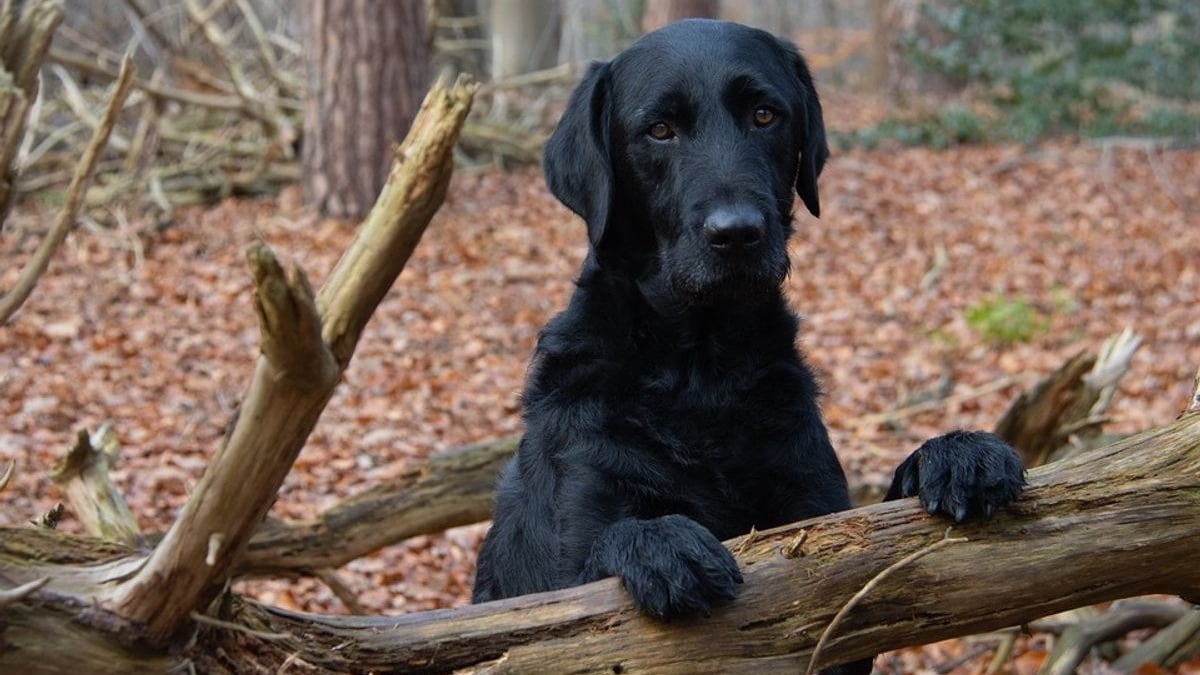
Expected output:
{"points": [[1120, 521], [450, 489], [456, 488]]}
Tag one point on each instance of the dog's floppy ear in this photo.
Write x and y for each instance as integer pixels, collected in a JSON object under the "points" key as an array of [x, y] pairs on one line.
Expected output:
{"points": [[577, 161], [813, 149]]}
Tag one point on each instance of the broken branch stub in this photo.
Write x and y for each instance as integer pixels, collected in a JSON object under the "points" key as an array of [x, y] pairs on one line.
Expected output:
{"points": [[304, 351]]}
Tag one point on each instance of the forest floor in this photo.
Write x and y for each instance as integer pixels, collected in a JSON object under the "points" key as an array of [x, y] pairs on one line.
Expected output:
{"points": [[917, 252]]}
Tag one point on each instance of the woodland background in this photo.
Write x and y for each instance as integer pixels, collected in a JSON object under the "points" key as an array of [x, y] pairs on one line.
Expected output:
{"points": [[1012, 182]]}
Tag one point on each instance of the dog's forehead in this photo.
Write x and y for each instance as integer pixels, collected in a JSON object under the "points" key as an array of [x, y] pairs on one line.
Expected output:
{"points": [[698, 56]]}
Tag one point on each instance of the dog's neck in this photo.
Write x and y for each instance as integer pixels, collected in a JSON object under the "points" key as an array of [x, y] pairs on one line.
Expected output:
{"points": [[655, 320]]}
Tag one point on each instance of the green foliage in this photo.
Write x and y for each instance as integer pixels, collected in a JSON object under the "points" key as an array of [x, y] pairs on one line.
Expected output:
{"points": [[1006, 321], [1093, 68], [951, 125]]}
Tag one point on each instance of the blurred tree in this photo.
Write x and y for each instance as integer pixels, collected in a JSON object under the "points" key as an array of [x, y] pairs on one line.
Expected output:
{"points": [[662, 12], [368, 69], [460, 43], [525, 35], [598, 30]]}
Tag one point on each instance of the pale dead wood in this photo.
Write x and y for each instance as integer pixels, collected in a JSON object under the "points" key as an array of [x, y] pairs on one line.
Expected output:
{"points": [[382, 245], [163, 92], [19, 293], [1167, 648], [275, 125], [83, 477], [18, 593], [1079, 639], [1067, 407], [25, 33], [8, 474], [1194, 400], [266, 55], [306, 343]]}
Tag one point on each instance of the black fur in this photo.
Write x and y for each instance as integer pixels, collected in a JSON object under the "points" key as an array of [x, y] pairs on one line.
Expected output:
{"points": [[668, 408]]}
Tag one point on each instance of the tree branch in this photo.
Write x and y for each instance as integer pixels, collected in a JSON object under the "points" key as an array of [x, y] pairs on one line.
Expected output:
{"points": [[1116, 522], [450, 489], [1120, 521], [26, 30], [303, 355], [16, 296], [1070, 402]]}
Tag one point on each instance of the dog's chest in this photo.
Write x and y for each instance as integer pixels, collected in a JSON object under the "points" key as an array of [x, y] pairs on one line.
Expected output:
{"points": [[701, 423]]}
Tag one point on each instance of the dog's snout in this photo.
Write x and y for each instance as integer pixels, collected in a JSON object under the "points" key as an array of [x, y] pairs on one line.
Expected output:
{"points": [[734, 228]]}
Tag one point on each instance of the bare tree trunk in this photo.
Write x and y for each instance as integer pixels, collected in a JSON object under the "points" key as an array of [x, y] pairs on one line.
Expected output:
{"points": [[368, 67], [659, 13], [881, 45], [598, 30], [525, 36]]}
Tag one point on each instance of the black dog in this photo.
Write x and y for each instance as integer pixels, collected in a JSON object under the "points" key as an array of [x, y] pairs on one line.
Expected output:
{"points": [[667, 408]]}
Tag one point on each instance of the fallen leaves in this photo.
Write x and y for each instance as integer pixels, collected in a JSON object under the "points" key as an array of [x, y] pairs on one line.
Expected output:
{"points": [[162, 342]]}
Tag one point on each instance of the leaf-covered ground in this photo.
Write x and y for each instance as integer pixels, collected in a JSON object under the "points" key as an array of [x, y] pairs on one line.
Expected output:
{"points": [[152, 330]]}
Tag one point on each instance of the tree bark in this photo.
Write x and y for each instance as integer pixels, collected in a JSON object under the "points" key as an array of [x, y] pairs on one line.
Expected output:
{"points": [[1123, 520], [368, 67]]}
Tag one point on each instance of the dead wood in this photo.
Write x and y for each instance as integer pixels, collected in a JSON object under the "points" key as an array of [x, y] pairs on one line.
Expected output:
{"points": [[83, 477], [12, 300], [1066, 409], [1168, 648], [451, 489], [1113, 523], [1120, 521], [307, 342], [25, 33], [1077, 640]]}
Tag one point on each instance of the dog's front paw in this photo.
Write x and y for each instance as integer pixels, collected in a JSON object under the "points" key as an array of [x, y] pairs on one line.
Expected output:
{"points": [[962, 474], [671, 566]]}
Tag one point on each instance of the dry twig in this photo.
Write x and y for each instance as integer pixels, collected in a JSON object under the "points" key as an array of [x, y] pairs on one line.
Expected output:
{"points": [[946, 540], [17, 295]]}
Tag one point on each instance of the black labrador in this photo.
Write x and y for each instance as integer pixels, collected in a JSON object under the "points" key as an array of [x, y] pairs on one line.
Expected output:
{"points": [[668, 408]]}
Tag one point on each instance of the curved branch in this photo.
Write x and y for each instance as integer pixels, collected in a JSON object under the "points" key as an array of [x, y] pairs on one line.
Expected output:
{"points": [[304, 353], [19, 293], [447, 490]]}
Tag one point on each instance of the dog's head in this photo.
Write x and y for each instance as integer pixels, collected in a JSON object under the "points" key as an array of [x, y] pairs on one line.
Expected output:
{"points": [[682, 154]]}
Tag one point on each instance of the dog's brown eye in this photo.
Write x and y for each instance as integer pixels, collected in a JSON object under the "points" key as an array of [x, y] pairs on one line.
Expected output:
{"points": [[661, 132], [763, 116]]}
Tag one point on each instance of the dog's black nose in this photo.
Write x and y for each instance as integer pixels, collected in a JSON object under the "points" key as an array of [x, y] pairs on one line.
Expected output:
{"points": [[734, 228]]}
